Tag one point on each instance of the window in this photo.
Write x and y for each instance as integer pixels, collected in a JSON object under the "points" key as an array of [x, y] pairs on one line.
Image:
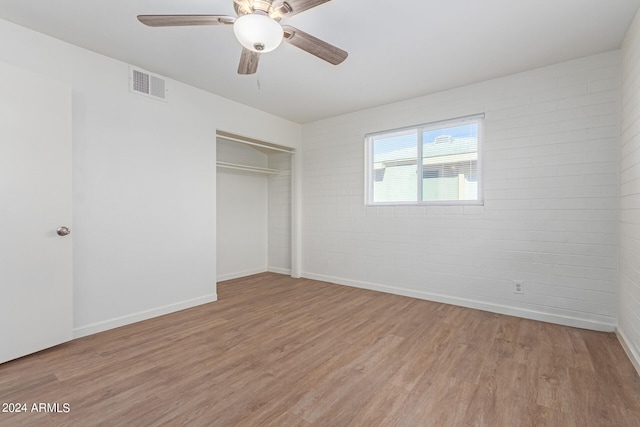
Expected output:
{"points": [[435, 163]]}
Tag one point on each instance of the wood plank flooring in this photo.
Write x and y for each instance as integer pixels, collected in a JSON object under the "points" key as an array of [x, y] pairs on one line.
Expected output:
{"points": [[275, 351]]}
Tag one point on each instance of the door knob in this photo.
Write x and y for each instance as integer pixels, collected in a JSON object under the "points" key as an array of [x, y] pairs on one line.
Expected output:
{"points": [[63, 231]]}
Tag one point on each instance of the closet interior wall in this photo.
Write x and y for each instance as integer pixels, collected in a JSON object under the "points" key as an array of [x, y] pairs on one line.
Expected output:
{"points": [[279, 214], [253, 210]]}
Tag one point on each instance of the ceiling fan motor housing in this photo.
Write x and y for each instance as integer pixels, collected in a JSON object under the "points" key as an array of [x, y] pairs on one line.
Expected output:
{"points": [[258, 32]]}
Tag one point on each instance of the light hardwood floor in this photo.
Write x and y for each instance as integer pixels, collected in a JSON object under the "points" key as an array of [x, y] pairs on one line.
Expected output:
{"points": [[284, 352]]}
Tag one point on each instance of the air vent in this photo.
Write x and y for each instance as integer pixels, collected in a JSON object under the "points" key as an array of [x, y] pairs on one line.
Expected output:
{"points": [[443, 139], [147, 84]]}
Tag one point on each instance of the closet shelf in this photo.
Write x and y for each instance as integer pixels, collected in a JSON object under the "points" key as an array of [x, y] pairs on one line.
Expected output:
{"points": [[247, 168]]}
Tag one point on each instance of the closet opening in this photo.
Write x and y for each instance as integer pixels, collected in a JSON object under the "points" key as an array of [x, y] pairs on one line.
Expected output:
{"points": [[254, 213]]}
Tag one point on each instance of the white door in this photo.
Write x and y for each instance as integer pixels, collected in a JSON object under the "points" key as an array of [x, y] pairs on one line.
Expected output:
{"points": [[36, 291]]}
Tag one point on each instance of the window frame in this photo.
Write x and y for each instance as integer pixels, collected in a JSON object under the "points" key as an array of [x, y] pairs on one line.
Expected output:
{"points": [[370, 172]]}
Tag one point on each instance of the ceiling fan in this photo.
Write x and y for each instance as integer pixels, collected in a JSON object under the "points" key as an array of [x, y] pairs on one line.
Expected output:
{"points": [[257, 27]]}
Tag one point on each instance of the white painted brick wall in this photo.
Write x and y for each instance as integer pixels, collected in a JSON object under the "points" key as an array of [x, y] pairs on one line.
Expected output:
{"points": [[551, 200], [629, 288]]}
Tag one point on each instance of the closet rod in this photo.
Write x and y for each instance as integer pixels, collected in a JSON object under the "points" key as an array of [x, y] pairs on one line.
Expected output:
{"points": [[256, 143], [247, 168]]}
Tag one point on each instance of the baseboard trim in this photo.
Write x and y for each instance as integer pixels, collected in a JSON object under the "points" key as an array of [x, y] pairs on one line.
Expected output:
{"points": [[469, 303], [278, 270], [237, 275], [94, 328], [628, 348]]}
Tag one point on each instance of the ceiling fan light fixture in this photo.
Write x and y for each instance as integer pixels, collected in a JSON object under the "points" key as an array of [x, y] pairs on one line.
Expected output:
{"points": [[258, 33]]}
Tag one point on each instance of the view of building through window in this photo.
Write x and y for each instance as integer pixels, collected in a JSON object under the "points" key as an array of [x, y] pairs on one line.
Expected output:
{"points": [[446, 172]]}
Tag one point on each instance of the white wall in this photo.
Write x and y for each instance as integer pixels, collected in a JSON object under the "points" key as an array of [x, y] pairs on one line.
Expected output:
{"points": [[629, 287], [550, 212], [144, 182]]}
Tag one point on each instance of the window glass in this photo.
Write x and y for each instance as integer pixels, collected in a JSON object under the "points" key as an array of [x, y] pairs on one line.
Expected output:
{"points": [[447, 172], [394, 164], [450, 163]]}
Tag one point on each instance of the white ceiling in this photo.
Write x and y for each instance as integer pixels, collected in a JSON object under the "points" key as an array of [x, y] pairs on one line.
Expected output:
{"points": [[397, 49]]}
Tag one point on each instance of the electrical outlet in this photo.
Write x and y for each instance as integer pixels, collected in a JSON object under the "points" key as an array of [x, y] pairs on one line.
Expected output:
{"points": [[518, 287]]}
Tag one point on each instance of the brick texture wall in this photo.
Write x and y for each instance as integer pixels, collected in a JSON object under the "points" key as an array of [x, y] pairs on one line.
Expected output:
{"points": [[629, 290], [551, 200]]}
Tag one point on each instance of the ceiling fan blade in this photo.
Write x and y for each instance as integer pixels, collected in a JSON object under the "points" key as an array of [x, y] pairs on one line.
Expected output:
{"points": [[185, 20], [288, 8], [314, 45], [248, 62]]}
